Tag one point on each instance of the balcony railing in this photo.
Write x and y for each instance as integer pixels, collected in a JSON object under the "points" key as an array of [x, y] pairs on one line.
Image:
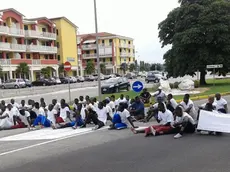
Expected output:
{"points": [[4, 46], [93, 46], [89, 56], [126, 46], [4, 30], [16, 32], [13, 61], [41, 35], [5, 61], [78, 51], [42, 49], [18, 47]]}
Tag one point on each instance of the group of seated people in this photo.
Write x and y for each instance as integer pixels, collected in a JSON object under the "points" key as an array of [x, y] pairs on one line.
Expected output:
{"points": [[172, 117]]}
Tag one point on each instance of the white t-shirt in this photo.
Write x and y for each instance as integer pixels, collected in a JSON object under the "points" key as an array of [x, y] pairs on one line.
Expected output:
{"points": [[159, 94], [124, 115], [39, 111], [155, 106], [109, 110], [83, 112], [23, 107], [57, 106], [184, 117], [24, 118], [15, 105], [63, 113], [102, 114], [112, 105], [173, 103], [220, 103], [118, 101], [75, 106], [51, 116], [165, 117], [213, 104], [192, 112], [13, 112]]}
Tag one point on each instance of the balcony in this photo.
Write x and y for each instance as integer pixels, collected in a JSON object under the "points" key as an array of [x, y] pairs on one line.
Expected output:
{"points": [[18, 61], [13, 61], [16, 32], [89, 47], [78, 51], [89, 56], [4, 30], [40, 35], [4, 46], [126, 46], [124, 54], [18, 47], [42, 49], [4, 62]]}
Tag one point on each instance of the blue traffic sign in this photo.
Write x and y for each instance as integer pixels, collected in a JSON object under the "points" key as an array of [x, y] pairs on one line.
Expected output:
{"points": [[137, 86]]}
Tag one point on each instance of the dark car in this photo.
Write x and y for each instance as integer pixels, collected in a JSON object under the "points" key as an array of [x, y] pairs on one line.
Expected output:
{"points": [[64, 80], [114, 85], [42, 82], [152, 78], [28, 83], [89, 78]]}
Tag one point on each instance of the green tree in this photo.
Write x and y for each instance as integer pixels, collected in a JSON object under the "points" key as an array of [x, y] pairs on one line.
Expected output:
{"points": [[124, 67], [156, 66], [142, 66], [1, 71], [90, 68], [61, 70], [46, 72], [23, 69], [103, 68], [199, 34], [132, 67]]}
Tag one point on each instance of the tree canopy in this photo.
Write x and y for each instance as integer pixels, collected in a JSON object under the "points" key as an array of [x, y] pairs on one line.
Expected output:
{"points": [[199, 34], [23, 69], [90, 68]]}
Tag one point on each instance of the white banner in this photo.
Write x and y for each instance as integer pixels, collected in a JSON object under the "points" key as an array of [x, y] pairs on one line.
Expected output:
{"points": [[214, 121]]}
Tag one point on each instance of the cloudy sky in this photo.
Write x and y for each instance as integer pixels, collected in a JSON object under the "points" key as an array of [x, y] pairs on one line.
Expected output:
{"points": [[133, 18]]}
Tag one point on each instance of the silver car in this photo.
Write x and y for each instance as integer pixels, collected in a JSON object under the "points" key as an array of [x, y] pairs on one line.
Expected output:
{"points": [[14, 83]]}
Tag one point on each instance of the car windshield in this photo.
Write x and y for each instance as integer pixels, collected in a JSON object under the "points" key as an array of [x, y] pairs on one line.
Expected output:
{"points": [[111, 80]]}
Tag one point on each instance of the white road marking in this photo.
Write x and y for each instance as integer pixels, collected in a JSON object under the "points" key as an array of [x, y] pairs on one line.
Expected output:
{"points": [[48, 142]]}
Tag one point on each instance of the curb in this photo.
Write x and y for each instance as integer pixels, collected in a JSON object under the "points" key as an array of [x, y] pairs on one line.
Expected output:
{"points": [[203, 97]]}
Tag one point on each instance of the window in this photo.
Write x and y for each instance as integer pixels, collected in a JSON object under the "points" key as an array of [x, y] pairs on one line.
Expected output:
{"points": [[43, 29], [129, 51], [54, 30], [27, 56], [111, 59], [57, 31], [104, 60], [58, 45], [25, 27], [4, 24], [59, 58], [130, 59], [6, 40], [1, 56], [46, 57], [87, 52], [129, 42], [95, 51], [103, 41], [95, 60], [120, 50]]}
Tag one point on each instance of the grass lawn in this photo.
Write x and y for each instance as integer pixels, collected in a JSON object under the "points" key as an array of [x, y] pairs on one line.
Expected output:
{"points": [[221, 86]]}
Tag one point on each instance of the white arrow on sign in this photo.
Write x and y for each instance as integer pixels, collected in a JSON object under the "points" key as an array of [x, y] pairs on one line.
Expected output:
{"points": [[138, 86]]}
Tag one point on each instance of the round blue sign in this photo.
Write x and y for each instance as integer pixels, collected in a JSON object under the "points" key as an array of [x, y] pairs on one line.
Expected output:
{"points": [[137, 86]]}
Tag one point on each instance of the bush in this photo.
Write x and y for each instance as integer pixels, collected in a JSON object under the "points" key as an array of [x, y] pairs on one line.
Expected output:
{"points": [[196, 84], [176, 84]]}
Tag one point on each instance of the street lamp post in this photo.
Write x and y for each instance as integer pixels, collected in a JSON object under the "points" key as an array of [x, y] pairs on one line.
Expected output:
{"points": [[98, 59]]}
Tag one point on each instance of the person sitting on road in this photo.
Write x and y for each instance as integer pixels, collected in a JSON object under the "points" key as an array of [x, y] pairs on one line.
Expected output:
{"points": [[145, 96], [56, 105], [42, 102], [206, 106], [13, 103], [40, 122], [122, 99], [120, 118], [189, 107], [81, 100], [159, 93], [137, 109], [22, 120], [221, 104], [64, 103], [171, 103], [76, 105], [38, 109], [112, 103], [23, 105], [153, 110], [127, 100], [184, 123], [87, 98], [95, 102], [99, 117], [52, 114], [65, 112], [108, 110], [5, 121], [165, 120]]}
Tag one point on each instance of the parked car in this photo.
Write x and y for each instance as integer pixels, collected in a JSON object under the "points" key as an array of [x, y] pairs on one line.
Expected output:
{"points": [[80, 79], [58, 81], [130, 76], [14, 83], [42, 82], [101, 76], [64, 80], [53, 81], [107, 76], [114, 85], [73, 79], [152, 78], [28, 83], [89, 78]]}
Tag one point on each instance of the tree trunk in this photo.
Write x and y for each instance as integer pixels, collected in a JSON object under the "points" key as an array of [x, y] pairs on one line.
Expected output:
{"points": [[202, 77]]}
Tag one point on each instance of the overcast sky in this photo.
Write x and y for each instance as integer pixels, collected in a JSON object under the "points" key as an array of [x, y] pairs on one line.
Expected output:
{"points": [[133, 18]]}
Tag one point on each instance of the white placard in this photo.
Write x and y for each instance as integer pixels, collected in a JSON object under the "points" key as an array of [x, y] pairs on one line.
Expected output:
{"points": [[214, 121]]}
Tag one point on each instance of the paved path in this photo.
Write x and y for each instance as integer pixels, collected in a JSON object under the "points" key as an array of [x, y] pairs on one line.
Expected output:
{"points": [[104, 151]]}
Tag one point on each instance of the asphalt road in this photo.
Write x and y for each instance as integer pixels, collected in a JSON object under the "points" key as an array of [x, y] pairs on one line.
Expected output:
{"points": [[120, 151]]}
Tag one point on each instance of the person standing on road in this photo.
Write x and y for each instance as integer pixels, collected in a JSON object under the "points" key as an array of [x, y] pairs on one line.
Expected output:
{"points": [[221, 104]]}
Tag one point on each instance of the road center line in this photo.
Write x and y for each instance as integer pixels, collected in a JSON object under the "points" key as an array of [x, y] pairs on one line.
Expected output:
{"points": [[47, 142]]}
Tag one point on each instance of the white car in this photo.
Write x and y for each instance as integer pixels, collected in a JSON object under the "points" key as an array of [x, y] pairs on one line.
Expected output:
{"points": [[80, 79], [73, 79]]}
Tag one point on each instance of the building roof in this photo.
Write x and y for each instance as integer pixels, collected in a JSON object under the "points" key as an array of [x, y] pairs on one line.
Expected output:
{"points": [[58, 18], [103, 34], [12, 9], [39, 18]]}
